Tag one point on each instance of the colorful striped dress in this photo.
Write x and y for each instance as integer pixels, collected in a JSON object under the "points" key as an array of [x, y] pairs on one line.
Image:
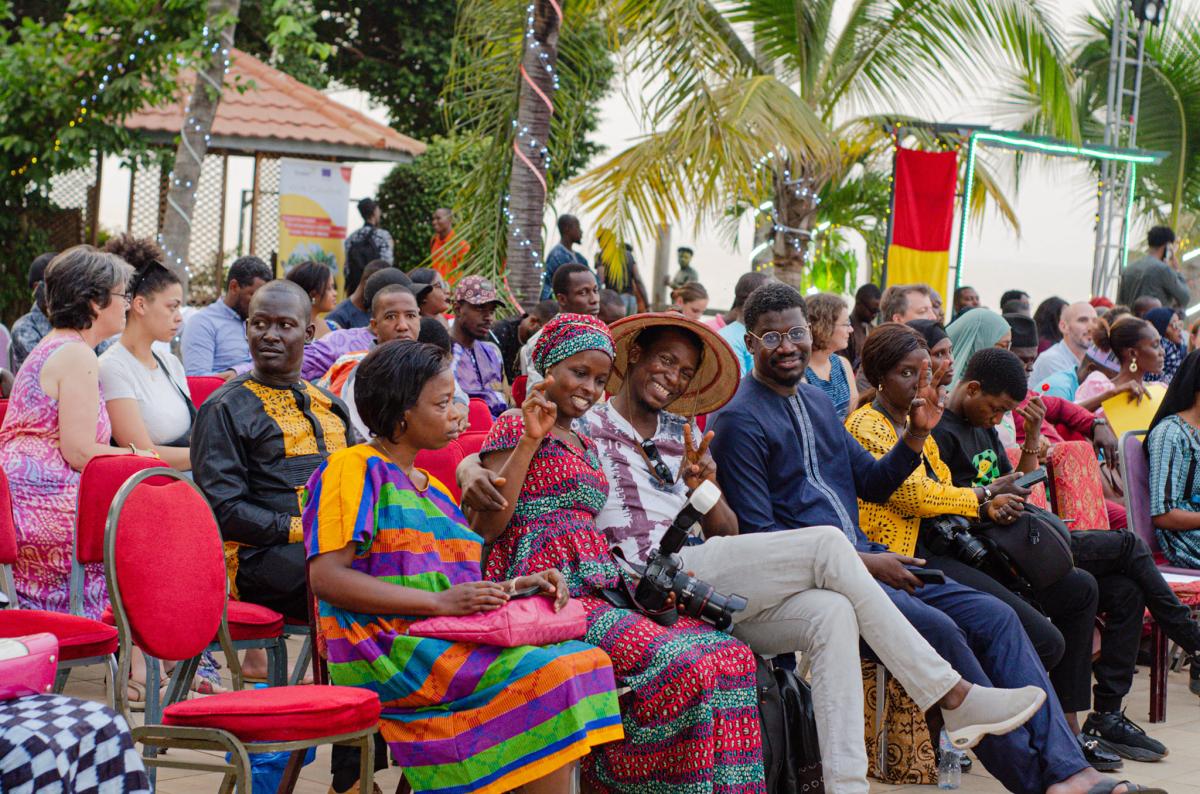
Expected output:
{"points": [[458, 717], [691, 722]]}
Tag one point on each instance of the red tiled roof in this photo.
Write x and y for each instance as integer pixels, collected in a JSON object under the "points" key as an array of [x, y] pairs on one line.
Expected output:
{"points": [[282, 115]]}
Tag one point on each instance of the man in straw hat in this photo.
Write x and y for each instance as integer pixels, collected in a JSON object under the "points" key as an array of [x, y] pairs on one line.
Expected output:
{"points": [[666, 367]]}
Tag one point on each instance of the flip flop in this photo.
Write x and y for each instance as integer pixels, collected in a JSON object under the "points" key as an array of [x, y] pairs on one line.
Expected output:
{"points": [[1108, 786]]}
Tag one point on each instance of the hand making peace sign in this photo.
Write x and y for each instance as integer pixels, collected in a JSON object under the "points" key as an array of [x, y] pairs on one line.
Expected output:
{"points": [[698, 464]]}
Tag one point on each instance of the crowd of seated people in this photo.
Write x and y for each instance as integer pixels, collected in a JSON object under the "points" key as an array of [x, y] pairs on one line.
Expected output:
{"points": [[831, 499]]}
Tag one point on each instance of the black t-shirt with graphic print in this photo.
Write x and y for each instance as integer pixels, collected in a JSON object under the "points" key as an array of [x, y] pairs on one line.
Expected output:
{"points": [[974, 454]]}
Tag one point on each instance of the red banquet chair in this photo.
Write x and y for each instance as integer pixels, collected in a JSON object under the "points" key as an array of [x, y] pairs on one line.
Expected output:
{"points": [[165, 567], [250, 625], [443, 464], [3, 410], [519, 387], [479, 416], [81, 641], [201, 386], [1135, 473]]}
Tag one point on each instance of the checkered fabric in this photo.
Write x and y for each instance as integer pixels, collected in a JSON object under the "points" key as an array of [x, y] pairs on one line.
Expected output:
{"points": [[52, 743]]}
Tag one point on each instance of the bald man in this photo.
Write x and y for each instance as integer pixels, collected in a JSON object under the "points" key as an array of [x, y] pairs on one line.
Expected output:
{"points": [[1076, 325], [257, 440]]}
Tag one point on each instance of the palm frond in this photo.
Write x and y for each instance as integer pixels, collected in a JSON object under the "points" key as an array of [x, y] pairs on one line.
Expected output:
{"points": [[890, 52], [713, 157]]}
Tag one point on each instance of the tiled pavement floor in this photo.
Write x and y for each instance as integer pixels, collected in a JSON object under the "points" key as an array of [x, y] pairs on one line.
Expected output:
{"points": [[1179, 773]]}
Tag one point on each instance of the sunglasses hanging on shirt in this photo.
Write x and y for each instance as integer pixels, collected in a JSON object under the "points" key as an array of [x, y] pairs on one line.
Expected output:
{"points": [[657, 464]]}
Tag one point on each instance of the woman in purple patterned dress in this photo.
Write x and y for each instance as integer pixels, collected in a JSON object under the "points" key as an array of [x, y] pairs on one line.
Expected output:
{"points": [[56, 423]]}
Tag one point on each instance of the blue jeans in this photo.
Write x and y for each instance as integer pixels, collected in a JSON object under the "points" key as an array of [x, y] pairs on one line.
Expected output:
{"points": [[982, 638]]}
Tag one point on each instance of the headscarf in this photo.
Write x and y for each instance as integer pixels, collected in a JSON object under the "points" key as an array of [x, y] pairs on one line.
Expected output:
{"points": [[971, 333], [568, 334], [932, 330], [1106, 359], [1173, 353]]}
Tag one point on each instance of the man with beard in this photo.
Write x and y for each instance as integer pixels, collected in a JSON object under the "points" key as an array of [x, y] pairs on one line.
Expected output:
{"points": [[214, 338], [478, 366]]}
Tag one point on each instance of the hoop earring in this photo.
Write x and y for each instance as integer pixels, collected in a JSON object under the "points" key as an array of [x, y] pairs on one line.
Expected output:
{"points": [[1133, 365]]}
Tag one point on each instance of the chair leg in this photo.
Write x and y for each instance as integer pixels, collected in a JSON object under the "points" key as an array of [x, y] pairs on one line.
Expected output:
{"points": [[291, 772], [302, 660], [881, 680], [154, 706], [60, 679], [1158, 674], [366, 765]]}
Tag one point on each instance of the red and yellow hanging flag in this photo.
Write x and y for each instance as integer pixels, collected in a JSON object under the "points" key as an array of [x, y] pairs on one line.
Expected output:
{"points": [[922, 217]]}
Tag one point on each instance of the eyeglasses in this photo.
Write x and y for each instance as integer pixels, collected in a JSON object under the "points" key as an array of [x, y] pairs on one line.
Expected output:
{"points": [[797, 335], [125, 296], [661, 470]]}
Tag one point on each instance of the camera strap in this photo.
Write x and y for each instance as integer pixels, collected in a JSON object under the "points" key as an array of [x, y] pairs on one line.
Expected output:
{"points": [[623, 597]]}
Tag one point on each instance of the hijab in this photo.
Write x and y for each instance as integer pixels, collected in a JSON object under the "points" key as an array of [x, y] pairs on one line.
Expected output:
{"points": [[974, 331]]}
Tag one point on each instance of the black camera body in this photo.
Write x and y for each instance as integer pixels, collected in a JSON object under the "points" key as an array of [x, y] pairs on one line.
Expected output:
{"points": [[665, 575], [951, 536]]}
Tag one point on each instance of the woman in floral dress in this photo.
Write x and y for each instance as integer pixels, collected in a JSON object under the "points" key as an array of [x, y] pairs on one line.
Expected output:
{"points": [[691, 722]]}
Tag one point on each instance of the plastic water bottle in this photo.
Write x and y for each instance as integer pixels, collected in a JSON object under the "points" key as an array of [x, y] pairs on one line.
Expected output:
{"points": [[950, 765]]}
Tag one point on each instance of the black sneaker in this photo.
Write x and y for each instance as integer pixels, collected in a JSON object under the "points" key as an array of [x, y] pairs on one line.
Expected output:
{"points": [[1117, 733], [1194, 676], [1100, 759]]}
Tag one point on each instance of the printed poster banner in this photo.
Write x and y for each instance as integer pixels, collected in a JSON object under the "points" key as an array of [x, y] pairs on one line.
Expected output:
{"points": [[922, 217], [314, 200]]}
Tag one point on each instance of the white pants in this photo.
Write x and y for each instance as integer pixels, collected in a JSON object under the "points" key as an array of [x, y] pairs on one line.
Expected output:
{"points": [[809, 592]]}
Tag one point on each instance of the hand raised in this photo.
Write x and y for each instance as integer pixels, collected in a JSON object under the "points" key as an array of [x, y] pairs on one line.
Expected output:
{"points": [[538, 412], [1034, 413], [930, 403]]}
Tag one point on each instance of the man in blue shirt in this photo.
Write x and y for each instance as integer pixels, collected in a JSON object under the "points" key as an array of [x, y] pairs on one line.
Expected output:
{"points": [[570, 234], [214, 338], [785, 461]]}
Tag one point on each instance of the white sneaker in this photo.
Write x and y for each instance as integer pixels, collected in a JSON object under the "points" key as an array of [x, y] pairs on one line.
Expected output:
{"points": [[990, 711]]}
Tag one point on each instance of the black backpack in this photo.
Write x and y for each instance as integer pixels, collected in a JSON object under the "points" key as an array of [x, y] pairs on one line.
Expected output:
{"points": [[791, 755], [364, 250]]}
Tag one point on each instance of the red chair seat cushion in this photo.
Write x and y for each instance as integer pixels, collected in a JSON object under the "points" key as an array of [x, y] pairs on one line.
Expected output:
{"points": [[78, 638], [246, 621], [280, 714]]}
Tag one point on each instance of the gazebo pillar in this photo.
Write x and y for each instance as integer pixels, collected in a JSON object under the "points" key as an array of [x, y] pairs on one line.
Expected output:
{"points": [[254, 199]]}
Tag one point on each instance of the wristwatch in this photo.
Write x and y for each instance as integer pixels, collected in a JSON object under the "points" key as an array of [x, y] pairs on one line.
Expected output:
{"points": [[1099, 420], [987, 494]]}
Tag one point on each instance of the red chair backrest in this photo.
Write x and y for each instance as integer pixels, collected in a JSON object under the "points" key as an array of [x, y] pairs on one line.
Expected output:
{"points": [[102, 477], [479, 416], [201, 386], [166, 566], [518, 389], [1076, 491], [1135, 471], [471, 442], [443, 463], [1037, 496], [8, 525], [3, 410]]}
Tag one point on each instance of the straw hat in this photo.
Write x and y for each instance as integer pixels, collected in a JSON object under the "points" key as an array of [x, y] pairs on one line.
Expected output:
{"points": [[716, 380]]}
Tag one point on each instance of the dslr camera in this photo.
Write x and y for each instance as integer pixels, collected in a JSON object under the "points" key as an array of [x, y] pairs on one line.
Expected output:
{"points": [[951, 536], [664, 572]]}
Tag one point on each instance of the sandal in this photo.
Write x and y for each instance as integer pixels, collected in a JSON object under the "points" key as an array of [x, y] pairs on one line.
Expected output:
{"points": [[202, 686], [1108, 786]]}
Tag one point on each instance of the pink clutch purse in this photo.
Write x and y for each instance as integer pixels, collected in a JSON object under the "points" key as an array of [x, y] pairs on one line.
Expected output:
{"points": [[523, 621], [28, 665]]}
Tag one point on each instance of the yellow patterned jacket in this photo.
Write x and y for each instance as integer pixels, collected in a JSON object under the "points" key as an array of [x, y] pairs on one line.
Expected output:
{"points": [[896, 523], [254, 446]]}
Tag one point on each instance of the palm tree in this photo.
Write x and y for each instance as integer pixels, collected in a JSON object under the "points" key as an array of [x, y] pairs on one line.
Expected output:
{"points": [[194, 135], [730, 132]]}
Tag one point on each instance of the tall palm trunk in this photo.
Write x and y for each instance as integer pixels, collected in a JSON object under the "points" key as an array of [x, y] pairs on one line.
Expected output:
{"points": [[527, 180], [193, 141], [796, 215]]}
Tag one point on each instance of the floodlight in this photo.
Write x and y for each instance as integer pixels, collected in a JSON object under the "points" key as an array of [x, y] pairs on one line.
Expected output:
{"points": [[1151, 11]]}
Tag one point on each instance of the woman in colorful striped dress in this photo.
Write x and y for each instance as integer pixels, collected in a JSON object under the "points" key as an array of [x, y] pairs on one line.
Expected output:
{"points": [[388, 546], [691, 722]]}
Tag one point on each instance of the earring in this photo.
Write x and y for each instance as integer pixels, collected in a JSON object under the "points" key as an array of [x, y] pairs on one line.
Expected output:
{"points": [[1133, 365]]}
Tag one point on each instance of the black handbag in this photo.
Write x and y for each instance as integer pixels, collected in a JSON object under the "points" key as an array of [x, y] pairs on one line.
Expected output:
{"points": [[791, 753], [1037, 546]]}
